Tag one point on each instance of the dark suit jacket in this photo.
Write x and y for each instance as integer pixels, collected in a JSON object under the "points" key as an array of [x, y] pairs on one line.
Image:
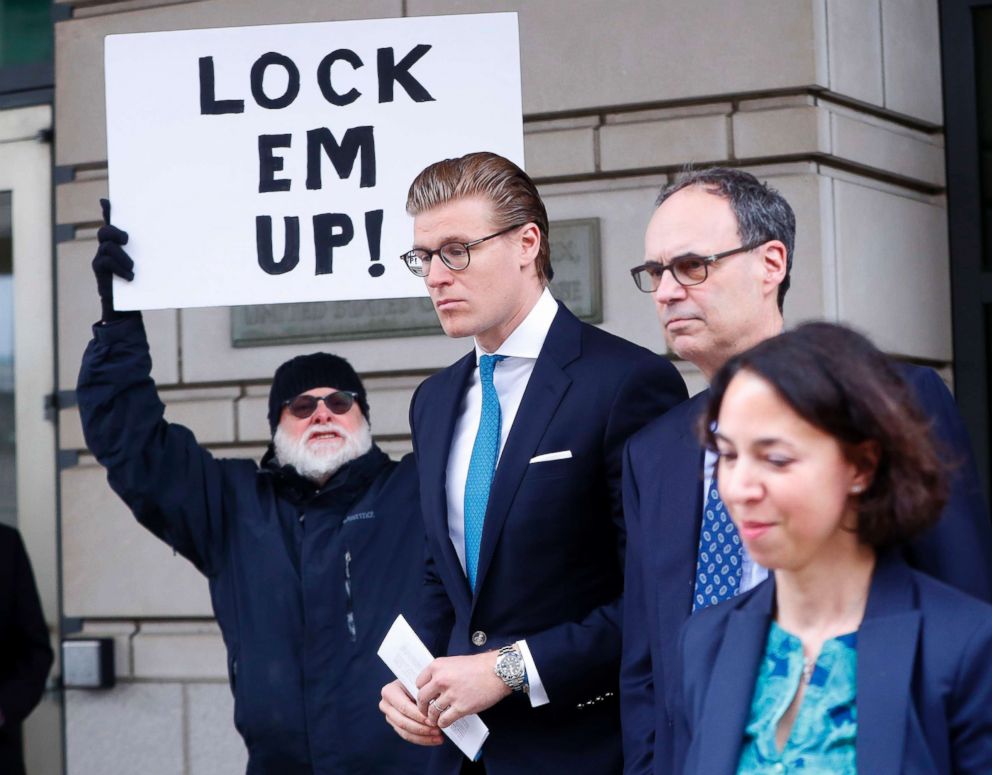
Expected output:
{"points": [[550, 564], [662, 504], [924, 677], [25, 651]]}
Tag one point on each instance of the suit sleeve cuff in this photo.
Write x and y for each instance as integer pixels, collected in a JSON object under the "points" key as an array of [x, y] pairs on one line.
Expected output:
{"points": [[536, 691]]}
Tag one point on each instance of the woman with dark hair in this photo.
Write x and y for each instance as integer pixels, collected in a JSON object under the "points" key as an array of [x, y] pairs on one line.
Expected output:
{"points": [[845, 660]]}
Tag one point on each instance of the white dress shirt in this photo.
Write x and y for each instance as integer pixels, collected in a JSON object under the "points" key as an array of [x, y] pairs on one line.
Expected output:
{"points": [[510, 379], [752, 574]]}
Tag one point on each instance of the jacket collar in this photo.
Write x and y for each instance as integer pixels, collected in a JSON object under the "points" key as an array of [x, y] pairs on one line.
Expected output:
{"points": [[348, 482], [887, 644]]}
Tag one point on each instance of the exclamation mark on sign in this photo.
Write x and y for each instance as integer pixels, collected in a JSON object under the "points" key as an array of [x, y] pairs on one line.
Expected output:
{"points": [[373, 233]]}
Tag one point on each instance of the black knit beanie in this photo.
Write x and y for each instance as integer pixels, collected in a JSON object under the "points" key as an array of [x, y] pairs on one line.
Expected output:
{"points": [[306, 372]]}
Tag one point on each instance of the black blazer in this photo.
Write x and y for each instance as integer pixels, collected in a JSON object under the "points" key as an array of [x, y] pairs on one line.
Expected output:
{"points": [[662, 489], [551, 559], [924, 677], [25, 650]]}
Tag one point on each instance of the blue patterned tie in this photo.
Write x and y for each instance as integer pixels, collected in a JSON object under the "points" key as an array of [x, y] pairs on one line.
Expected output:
{"points": [[481, 466], [720, 558]]}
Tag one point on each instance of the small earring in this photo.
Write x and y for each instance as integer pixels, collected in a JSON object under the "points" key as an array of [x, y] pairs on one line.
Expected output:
{"points": [[856, 489]]}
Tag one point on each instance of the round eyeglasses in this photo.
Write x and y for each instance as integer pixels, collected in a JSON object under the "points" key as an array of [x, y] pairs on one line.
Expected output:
{"points": [[455, 255], [304, 405], [687, 270]]}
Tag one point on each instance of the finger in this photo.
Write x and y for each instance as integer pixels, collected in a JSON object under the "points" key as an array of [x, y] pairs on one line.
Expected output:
{"points": [[403, 724], [425, 676], [105, 208], [449, 716], [396, 697], [110, 233], [434, 738], [112, 259], [424, 697]]}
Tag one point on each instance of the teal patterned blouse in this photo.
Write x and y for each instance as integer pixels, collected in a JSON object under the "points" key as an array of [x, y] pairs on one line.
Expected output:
{"points": [[822, 738]]}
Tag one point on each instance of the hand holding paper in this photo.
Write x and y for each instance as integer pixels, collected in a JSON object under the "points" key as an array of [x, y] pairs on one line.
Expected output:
{"points": [[406, 655]]}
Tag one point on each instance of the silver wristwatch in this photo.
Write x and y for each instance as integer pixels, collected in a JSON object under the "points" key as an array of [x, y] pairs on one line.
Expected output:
{"points": [[510, 668]]}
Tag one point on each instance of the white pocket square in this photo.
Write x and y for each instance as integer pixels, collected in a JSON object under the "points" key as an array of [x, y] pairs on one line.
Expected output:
{"points": [[565, 454]]}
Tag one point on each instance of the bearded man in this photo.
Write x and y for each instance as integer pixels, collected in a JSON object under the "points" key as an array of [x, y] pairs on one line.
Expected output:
{"points": [[310, 555]]}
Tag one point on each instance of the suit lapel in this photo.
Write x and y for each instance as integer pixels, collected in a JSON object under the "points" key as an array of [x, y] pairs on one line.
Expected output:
{"points": [[547, 385], [887, 643], [438, 425], [727, 704], [681, 497]]}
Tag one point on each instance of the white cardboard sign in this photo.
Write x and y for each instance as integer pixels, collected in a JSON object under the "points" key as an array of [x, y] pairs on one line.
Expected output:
{"points": [[258, 165]]}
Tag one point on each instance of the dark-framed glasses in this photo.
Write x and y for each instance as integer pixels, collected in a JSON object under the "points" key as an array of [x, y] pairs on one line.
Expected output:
{"points": [[455, 255], [687, 270], [304, 405]]}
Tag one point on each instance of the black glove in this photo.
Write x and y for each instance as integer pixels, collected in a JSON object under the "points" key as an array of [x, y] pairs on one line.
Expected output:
{"points": [[111, 259]]}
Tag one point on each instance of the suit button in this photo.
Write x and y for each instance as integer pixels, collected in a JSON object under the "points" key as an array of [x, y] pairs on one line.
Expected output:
{"points": [[479, 638]]}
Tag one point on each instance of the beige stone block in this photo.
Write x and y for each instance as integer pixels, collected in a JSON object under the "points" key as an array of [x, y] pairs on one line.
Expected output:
{"points": [[854, 49], [806, 193], [70, 430], [113, 567], [581, 54], [79, 309], [396, 448], [389, 404], [212, 421], [209, 357], [80, 117], [911, 56], [132, 728], [556, 124], [253, 423], [781, 132], [215, 747], [79, 201], [121, 632], [893, 149], [664, 114], [624, 213], [893, 248], [560, 153], [783, 101], [663, 143], [180, 651]]}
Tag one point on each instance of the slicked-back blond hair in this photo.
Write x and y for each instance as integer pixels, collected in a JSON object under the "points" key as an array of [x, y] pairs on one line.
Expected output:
{"points": [[512, 193]]}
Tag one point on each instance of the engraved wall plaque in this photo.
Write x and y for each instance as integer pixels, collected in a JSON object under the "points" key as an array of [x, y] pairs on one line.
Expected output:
{"points": [[577, 283]]}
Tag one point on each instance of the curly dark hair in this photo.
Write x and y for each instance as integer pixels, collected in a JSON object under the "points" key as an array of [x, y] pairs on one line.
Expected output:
{"points": [[839, 382]]}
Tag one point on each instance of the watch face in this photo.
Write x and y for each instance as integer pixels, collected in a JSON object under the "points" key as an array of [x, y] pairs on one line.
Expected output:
{"points": [[510, 666]]}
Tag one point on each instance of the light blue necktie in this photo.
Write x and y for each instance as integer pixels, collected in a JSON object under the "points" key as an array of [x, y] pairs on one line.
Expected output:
{"points": [[481, 466], [719, 562]]}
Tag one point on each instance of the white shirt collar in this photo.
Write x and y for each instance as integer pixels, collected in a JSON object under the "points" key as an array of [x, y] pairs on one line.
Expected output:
{"points": [[528, 338]]}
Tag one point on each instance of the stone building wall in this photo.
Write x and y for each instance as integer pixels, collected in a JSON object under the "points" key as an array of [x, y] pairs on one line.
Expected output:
{"points": [[836, 102]]}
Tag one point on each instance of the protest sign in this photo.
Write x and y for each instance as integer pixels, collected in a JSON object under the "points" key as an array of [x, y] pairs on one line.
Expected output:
{"points": [[270, 164]]}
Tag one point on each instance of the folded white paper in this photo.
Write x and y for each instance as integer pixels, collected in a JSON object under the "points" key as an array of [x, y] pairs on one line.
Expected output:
{"points": [[407, 656], [565, 454]]}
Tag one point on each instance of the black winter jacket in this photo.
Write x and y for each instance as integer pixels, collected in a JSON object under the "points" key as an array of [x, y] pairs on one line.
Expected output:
{"points": [[305, 581]]}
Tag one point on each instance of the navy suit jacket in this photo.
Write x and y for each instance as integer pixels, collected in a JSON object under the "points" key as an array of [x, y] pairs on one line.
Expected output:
{"points": [[662, 490], [924, 677], [551, 559]]}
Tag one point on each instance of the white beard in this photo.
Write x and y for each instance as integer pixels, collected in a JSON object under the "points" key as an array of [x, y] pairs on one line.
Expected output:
{"points": [[317, 462]]}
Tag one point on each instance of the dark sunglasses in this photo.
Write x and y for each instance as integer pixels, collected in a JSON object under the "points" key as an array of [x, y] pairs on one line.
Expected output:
{"points": [[339, 402]]}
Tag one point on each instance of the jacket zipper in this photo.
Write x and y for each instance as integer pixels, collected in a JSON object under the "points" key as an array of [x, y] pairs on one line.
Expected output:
{"points": [[350, 609]]}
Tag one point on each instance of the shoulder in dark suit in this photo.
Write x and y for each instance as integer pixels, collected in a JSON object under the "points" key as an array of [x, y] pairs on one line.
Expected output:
{"points": [[662, 503], [924, 677], [25, 651], [550, 564]]}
